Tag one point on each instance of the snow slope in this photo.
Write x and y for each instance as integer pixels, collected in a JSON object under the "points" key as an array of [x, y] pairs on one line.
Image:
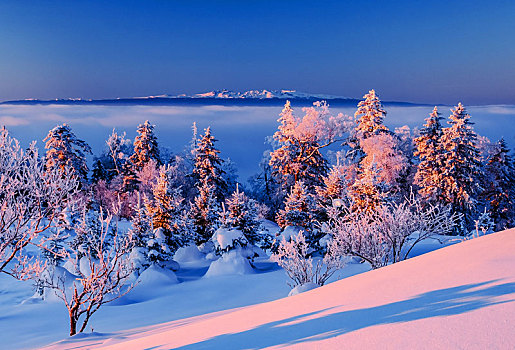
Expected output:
{"points": [[461, 296]]}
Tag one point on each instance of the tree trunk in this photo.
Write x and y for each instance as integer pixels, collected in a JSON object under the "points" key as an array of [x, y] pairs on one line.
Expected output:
{"points": [[73, 325]]}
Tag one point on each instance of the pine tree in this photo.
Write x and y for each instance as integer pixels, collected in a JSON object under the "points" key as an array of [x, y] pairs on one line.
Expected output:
{"points": [[500, 186], [297, 156], [461, 164], [67, 153], [208, 165], [204, 212], [431, 154], [141, 229], [298, 208], [165, 209], [145, 147], [241, 213], [368, 191], [369, 116]]}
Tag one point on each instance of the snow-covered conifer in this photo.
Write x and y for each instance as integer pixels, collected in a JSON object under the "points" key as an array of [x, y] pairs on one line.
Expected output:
{"points": [[299, 208], [368, 192], [499, 188], [461, 164], [208, 165], [241, 213], [64, 151], [204, 212], [145, 147], [369, 116], [431, 156]]}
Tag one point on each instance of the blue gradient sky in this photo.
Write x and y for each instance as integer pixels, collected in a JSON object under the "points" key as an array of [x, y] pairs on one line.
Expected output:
{"points": [[420, 51]]}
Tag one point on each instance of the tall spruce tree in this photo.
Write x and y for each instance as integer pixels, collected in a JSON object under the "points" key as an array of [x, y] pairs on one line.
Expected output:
{"points": [[430, 154], [145, 147], [499, 186], [369, 116], [204, 212], [67, 153], [461, 165], [208, 166]]}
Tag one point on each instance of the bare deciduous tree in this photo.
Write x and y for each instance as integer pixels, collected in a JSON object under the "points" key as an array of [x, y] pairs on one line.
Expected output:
{"points": [[102, 275]]}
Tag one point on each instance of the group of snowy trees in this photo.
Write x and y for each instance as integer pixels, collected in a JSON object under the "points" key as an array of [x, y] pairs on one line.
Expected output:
{"points": [[341, 185]]}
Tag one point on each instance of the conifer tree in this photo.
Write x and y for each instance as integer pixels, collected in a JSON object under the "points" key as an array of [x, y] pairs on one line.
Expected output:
{"points": [[208, 166], [298, 208], [297, 156], [368, 191], [165, 209], [145, 147], [204, 212], [67, 153], [500, 186], [461, 164], [431, 154], [141, 229], [241, 213], [369, 116]]}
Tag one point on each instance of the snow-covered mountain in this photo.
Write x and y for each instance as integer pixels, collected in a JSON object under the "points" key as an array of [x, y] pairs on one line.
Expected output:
{"points": [[259, 94]]}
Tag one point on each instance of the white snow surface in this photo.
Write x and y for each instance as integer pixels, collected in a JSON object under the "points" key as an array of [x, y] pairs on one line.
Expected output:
{"points": [[224, 238], [458, 297], [233, 262]]}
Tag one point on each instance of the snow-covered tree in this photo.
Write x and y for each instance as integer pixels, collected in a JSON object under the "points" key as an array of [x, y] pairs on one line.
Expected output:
{"points": [[32, 200], [204, 212], [208, 165], [119, 151], [141, 225], [391, 164], [293, 257], [389, 233], [499, 188], [368, 193], [145, 147], [165, 210], [461, 164], [101, 277], [298, 141], [241, 213], [64, 151], [431, 155], [369, 116], [298, 208]]}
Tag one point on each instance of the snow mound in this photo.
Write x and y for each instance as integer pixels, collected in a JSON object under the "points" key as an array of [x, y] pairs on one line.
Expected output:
{"points": [[188, 254], [228, 238], [156, 276], [303, 288], [233, 262], [290, 231]]}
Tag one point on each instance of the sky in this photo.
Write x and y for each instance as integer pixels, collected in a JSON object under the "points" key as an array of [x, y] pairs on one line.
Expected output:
{"points": [[416, 51]]}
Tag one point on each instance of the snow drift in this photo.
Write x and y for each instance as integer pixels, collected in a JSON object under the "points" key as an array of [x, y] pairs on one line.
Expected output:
{"points": [[461, 296]]}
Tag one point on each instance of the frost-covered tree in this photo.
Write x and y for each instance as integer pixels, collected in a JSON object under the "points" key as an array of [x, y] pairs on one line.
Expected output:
{"points": [[391, 164], [389, 233], [241, 213], [293, 257], [165, 210], [64, 151], [204, 212], [32, 201], [100, 278], [141, 225], [431, 155], [499, 188], [118, 150], [208, 166], [461, 164], [369, 116], [368, 193], [145, 147], [298, 143]]}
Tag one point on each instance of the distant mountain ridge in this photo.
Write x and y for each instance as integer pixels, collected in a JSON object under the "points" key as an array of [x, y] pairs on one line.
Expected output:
{"points": [[216, 97]]}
